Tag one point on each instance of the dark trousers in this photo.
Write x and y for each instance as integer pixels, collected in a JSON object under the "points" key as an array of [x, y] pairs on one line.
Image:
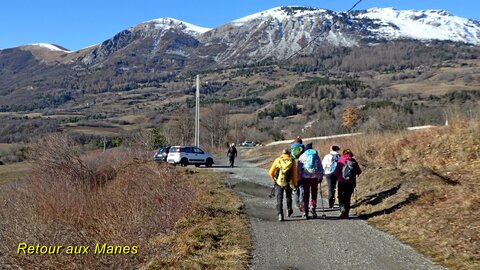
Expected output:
{"points": [[310, 185], [232, 160], [299, 195], [279, 193], [345, 191], [332, 184]]}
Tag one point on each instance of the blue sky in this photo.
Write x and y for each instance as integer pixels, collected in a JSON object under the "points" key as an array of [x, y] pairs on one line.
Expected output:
{"points": [[77, 24]]}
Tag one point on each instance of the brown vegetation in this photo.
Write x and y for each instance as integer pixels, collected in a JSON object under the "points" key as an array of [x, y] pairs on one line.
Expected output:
{"points": [[73, 199]]}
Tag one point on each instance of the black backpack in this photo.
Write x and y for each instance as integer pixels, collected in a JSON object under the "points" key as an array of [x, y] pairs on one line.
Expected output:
{"points": [[349, 171]]}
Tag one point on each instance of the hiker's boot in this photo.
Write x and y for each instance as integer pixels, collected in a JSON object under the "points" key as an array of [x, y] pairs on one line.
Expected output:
{"points": [[305, 215], [343, 215], [289, 213], [280, 217], [314, 213], [331, 202]]}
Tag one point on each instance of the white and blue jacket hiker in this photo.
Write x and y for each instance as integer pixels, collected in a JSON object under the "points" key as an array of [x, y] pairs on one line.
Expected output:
{"points": [[310, 170], [329, 163]]}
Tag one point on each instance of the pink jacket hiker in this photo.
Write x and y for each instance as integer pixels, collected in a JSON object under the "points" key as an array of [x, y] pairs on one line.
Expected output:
{"points": [[341, 163]]}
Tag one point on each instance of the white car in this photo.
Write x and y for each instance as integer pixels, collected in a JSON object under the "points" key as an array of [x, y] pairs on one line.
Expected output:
{"points": [[187, 155]]}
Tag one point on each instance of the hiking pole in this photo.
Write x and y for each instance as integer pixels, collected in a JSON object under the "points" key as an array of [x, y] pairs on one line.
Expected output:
{"points": [[272, 193], [321, 201]]}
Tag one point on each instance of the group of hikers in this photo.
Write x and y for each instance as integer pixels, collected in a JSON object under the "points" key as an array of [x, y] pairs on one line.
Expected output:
{"points": [[299, 170]]}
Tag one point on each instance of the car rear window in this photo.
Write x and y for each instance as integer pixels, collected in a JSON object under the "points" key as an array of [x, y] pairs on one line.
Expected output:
{"points": [[173, 149]]}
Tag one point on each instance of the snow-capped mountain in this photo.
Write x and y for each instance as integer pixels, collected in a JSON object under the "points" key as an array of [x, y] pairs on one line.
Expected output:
{"points": [[278, 33], [158, 49], [282, 31]]}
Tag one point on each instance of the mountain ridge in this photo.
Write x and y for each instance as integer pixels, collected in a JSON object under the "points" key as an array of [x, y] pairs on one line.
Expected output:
{"points": [[283, 12], [159, 50]]}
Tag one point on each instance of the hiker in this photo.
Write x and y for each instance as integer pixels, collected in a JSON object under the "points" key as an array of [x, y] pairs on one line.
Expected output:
{"points": [[232, 154], [296, 150], [284, 174], [346, 173], [310, 173], [329, 164]]}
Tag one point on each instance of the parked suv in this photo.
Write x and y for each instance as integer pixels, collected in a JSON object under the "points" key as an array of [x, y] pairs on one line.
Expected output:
{"points": [[161, 154], [186, 155]]}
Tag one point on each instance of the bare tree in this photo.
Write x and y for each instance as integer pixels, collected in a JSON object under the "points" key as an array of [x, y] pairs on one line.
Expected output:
{"points": [[181, 127], [215, 123]]}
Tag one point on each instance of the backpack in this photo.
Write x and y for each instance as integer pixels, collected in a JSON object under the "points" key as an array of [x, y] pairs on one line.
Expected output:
{"points": [[312, 160], [333, 163], [297, 151], [349, 171], [284, 172]]}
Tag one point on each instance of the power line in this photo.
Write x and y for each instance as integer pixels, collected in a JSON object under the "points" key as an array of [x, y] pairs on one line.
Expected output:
{"points": [[315, 38], [354, 6]]}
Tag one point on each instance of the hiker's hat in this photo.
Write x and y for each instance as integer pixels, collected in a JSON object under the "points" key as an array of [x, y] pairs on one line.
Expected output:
{"points": [[348, 152]]}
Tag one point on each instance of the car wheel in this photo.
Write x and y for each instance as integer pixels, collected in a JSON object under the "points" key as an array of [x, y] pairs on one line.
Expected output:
{"points": [[209, 162], [184, 162], [197, 165]]}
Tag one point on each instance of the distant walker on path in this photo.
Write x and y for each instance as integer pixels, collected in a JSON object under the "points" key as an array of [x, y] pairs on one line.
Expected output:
{"points": [[232, 154]]}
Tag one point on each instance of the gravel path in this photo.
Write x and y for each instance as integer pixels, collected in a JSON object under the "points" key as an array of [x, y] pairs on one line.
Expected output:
{"points": [[316, 243]]}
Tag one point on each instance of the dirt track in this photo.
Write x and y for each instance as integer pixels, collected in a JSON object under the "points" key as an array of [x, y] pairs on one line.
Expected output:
{"points": [[312, 244]]}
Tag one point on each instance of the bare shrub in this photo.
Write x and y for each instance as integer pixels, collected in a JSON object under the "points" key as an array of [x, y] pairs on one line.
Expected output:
{"points": [[75, 199]]}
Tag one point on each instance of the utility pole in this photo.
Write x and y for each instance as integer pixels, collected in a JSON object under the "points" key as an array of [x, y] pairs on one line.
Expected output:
{"points": [[197, 113]]}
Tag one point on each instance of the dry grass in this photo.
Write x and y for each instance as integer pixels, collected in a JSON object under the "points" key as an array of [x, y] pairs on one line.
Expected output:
{"points": [[215, 236], [96, 130], [14, 171], [427, 181], [5, 146]]}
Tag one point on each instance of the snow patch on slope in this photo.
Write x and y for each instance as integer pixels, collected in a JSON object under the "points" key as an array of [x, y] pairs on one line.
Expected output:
{"points": [[49, 46], [280, 14], [169, 23], [422, 25]]}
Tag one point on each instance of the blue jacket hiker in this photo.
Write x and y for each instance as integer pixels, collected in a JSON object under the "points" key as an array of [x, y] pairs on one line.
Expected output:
{"points": [[310, 172]]}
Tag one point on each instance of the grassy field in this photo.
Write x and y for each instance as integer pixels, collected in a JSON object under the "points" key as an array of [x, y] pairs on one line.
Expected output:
{"points": [[420, 186], [14, 171], [5, 146]]}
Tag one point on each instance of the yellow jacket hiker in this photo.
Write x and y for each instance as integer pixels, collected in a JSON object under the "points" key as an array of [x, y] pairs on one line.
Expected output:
{"points": [[284, 173], [287, 164]]}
